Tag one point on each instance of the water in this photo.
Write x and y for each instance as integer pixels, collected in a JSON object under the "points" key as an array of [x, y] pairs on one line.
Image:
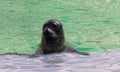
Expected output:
{"points": [[89, 25], [108, 61]]}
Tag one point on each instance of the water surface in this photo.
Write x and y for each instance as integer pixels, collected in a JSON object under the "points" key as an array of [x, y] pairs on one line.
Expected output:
{"points": [[108, 61]]}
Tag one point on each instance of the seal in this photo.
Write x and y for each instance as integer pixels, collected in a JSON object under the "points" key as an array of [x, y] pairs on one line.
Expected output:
{"points": [[53, 40]]}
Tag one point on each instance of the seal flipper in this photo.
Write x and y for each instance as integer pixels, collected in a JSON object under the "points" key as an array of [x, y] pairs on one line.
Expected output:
{"points": [[73, 50]]}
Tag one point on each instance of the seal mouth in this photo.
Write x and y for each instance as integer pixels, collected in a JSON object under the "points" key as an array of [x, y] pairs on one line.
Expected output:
{"points": [[52, 41]]}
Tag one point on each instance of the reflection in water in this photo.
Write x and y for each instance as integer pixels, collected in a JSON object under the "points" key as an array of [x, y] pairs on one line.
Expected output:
{"points": [[52, 60], [108, 61]]}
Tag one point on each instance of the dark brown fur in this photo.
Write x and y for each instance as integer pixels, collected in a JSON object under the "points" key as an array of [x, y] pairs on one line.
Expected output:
{"points": [[53, 40]]}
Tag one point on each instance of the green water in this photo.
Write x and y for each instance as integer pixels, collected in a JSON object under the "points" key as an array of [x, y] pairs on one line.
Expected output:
{"points": [[89, 25]]}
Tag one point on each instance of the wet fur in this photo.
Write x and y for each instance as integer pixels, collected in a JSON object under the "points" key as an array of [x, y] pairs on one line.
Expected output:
{"points": [[53, 40]]}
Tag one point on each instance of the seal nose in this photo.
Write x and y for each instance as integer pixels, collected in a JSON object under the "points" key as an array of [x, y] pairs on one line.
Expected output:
{"points": [[47, 31]]}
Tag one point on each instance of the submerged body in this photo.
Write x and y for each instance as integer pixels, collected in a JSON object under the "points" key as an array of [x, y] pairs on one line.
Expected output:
{"points": [[53, 40]]}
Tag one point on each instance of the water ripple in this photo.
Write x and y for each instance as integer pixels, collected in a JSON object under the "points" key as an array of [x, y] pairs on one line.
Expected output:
{"points": [[108, 61]]}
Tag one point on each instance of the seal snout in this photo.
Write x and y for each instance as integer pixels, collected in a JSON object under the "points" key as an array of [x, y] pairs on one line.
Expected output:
{"points": [[49, 32]]}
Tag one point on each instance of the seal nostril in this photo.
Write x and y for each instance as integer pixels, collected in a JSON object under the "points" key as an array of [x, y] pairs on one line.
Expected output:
{"points": [[47, 32]]}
